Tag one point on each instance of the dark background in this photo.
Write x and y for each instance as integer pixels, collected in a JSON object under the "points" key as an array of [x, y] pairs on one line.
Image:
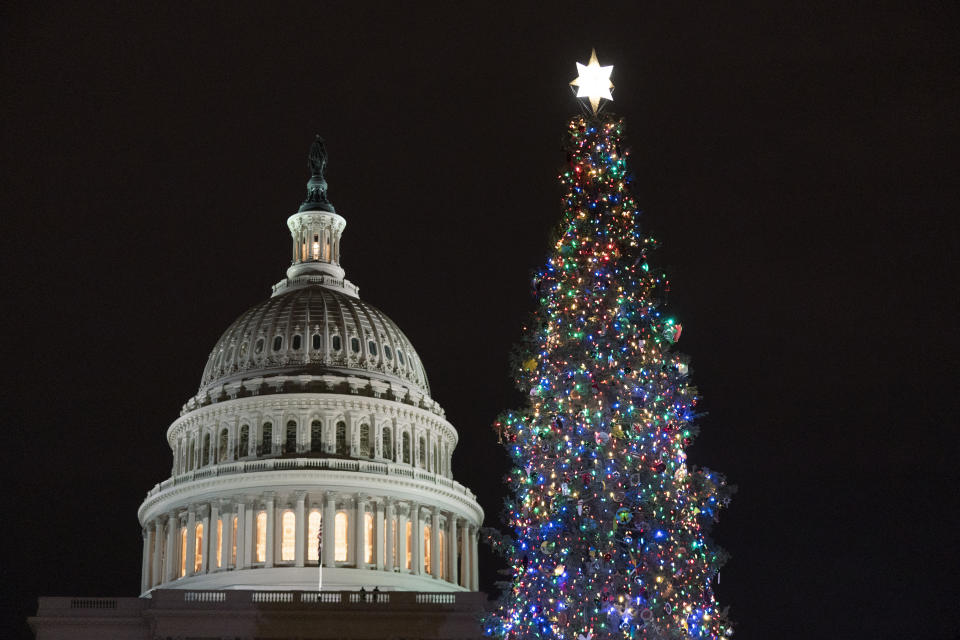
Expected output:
{"points": [[798, 163]]}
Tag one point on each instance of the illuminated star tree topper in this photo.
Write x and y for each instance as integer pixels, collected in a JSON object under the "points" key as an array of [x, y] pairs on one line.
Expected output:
{"points": [[593, 81]]}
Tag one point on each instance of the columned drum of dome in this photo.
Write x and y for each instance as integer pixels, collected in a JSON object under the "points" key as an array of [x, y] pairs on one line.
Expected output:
{"points": [[312, 440]]}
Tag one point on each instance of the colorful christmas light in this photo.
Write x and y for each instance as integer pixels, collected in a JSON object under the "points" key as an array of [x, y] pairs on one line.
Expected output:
{"points": [[610, 524]]}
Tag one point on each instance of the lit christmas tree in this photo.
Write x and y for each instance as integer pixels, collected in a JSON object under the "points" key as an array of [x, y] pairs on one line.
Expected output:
{"points": [[610, 524]]}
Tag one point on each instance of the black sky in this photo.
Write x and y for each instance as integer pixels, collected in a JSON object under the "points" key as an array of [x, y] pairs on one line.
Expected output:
{"points": [[798, 163]]}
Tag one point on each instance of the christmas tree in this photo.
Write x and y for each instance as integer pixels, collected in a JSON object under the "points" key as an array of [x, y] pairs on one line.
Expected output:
{"points": [[610, 525]]}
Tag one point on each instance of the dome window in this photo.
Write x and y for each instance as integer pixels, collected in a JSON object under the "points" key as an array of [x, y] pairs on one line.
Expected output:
{"points": [[316, 436], [341, 435], [355, 345], [372, 347], [317, 342], [290, 446], [386, 352], [243, 446], [400, 356], [336, 343], [387, 444], [266, 439], [297, 340], [277, 343], [258, 348], [364, 440]]}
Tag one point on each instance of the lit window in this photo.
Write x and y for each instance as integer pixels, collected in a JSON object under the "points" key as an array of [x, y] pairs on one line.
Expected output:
{"points": [[365, 440], [313, 535], [297, 342], [316, 246], [277, 343], [368, 525], [219, 542], [372, 346], [400, 356], [340, 537], [335, 343], [386, 352], [409, 561], [233, 538], [258, 348], [198, 548], [427, 559], [262, 536], [355, 345], [288, 541], [317, 342], [183, 551]]}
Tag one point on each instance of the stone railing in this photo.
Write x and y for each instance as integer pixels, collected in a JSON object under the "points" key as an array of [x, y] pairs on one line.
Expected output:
{"points": [[333, 464]]}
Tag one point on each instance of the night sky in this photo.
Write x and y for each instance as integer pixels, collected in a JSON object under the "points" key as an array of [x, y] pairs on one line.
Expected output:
{"points": [[798, 164]]}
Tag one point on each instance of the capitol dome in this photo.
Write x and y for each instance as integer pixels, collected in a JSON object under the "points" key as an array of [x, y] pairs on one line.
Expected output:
{"points": [[313, 455]]}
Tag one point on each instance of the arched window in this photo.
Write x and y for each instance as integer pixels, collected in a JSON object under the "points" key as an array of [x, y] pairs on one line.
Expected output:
{"points": [[262, 536], [436, 460], [387, 443], [313, 535], [335, 343], [406, 447], [422, 453], [342, 438], [340, 537], [427, 556], [297, 342], [192, 457], [277, 343], [355, 345], [219, 542], [372, 348], [368, 534], [258, 347], [243, 446], [316, 436], [364, 440], [400, 356], [386, 352], [288, 539], [409, 551], [266, 440], [317, 342], [290, 446], [198, 547], [183, 551], [206, 450], [222, 449]]}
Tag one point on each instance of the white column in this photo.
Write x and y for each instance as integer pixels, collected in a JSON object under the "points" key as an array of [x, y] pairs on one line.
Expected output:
{"points": [[191, 550], [145, 563], [168, 570], [329, 528], [380, 540], [474, 573], [434, 542], [244, 534], [452, 549], [211, 543], [226, 540], [156, 576], [464, 556], [271, 526], [417, 539], [301, 529], [391, 533], [361, 532], [403, 513]]}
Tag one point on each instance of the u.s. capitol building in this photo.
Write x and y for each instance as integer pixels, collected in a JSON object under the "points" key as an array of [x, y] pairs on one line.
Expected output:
{"points": [[311, 452]]}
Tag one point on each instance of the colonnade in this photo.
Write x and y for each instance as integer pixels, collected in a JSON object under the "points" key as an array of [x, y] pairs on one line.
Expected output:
{"points": [[359, 531]]}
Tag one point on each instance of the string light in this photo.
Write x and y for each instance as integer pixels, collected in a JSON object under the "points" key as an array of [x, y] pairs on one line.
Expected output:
{"points": [[610, 525]]}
